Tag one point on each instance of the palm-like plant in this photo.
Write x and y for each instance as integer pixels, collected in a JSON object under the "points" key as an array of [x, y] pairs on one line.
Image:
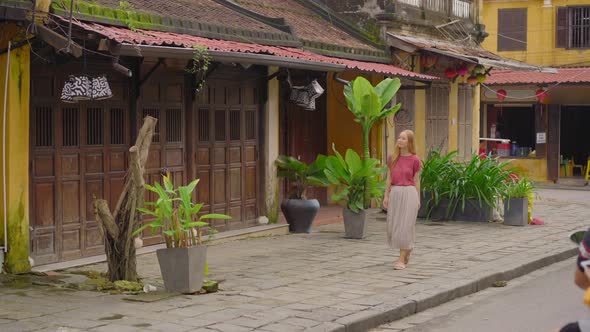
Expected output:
{"points": [[175, 213], [300, 174]]}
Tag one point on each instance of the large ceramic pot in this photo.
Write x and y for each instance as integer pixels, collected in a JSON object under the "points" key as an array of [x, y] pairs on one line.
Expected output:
{"points": [[183, 269], [300, 213], [355, 224], [516, 212]]}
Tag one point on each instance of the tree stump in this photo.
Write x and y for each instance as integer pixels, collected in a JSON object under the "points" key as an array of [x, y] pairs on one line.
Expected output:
{"points": [[117, 228]]}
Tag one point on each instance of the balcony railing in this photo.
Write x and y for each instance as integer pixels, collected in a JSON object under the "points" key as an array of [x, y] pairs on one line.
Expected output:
{"points": [[455, 8]]}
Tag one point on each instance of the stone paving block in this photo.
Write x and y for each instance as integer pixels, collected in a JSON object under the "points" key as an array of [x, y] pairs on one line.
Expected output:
{"points": [[224, 327], [116, 327], [275, 327], [300, 322], [327, 327], [170, 327]]}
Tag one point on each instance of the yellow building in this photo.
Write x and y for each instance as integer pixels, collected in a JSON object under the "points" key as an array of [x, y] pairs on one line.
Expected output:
{"points": [[544, 114]]}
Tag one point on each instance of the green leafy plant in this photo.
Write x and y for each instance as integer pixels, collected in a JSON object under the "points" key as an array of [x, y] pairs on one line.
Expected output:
{"points": [[300, 174], [484, 180], [354, 178], [520, 187], [199, 66], [369, 104], [175, 213]]}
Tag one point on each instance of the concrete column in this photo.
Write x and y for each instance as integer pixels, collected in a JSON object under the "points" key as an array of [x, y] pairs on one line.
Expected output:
{"points": [[420, 122], [453, 116], [17, 151], [270, 206]]}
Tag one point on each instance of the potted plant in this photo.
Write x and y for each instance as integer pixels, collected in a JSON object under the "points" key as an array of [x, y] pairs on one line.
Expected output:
{"points": [[476, 189], [435, 184], [298, 210], [516, 204], [370, 104], [182, 262], [354, 179]]}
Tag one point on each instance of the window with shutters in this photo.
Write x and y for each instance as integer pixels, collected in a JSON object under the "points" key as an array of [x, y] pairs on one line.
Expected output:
{"points": [[573, 27], [512, 26]]}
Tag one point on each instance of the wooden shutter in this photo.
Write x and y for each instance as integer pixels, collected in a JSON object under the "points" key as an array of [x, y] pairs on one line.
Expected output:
{"points": [[561, 28], [512, 26]]}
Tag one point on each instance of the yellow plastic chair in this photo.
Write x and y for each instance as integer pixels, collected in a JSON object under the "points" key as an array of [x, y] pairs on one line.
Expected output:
{"points": [[587, 171]]}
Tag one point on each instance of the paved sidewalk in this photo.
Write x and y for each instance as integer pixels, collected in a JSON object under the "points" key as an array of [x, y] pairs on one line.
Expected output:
{"points": [[318, 281]]}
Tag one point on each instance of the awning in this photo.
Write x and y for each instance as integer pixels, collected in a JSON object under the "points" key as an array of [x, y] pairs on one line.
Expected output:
{"points": [[579, 75], [473, 54], [174, 45]]}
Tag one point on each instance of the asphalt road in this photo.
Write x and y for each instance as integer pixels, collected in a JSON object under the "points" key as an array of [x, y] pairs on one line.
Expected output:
{"points": [[543, 301]]}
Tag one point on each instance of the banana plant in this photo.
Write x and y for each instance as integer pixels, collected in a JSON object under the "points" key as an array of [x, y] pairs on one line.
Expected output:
{"points": [[354, 178], [369, 104]]}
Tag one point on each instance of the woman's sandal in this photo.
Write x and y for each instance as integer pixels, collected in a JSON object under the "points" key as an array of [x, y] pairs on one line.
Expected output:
{"points": [[399, 266]]}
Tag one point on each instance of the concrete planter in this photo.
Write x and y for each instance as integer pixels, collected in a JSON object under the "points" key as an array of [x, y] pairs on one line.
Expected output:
{"points": [[183, 269], [355, 224], [428, 210], [516, 212], [300, 214], [472, 212]]}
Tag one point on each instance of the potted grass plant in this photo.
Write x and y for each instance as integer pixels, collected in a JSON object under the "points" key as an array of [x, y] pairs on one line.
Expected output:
{"points": [[478, 187], [298, 210], [438, 172], [182, 262], [516, 204]]}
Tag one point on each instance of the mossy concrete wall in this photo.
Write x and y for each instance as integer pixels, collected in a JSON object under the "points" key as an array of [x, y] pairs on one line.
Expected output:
{"points": [[17, 149]]}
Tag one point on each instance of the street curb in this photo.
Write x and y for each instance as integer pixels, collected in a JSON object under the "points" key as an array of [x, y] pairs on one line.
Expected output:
{"points": [[371, 318]]}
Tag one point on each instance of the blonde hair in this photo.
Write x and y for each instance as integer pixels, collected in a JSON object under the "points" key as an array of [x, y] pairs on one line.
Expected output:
{"points": [[392, 160]]}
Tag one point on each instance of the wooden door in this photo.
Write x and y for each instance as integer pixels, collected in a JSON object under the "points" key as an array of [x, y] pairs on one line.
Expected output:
{"points": [[78, 153], [305, 131], [162, 97], [226, 146], [437, 118]]}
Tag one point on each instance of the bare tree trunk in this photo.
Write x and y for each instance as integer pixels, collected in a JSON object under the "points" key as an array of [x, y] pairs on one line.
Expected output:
{"points": [[118, 227]]}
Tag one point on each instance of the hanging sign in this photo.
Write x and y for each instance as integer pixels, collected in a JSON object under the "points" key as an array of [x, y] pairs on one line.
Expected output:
{"points": [[541, 138]]}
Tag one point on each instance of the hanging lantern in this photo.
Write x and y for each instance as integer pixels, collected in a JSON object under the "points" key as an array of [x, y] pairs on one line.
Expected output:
{"points": [[462, 69], [472, 80], [428, 60], [450, 73], [541, 95], [501, 94]]}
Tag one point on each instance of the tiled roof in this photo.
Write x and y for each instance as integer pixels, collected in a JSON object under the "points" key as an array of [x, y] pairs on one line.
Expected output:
{"points": [[159, 38], [564, 75], [307, 24], [200, 10]]}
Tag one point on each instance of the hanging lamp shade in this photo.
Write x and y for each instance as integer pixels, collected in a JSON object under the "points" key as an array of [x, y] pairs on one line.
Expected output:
{"points": [[100, 88], [82, 87]]}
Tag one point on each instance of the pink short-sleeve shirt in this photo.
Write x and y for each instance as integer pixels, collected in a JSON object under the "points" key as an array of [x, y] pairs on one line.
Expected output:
{"points": [[404, 170]]}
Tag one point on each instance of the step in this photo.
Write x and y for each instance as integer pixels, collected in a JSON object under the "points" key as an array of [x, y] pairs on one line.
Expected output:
{"points": [[223, 237]]}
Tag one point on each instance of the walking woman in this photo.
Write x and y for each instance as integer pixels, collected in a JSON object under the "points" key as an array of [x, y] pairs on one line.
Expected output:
{"points": [[402, 199]]}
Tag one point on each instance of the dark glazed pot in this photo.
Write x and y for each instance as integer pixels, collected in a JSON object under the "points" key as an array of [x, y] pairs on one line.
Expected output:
{"points": [[300, 214]]}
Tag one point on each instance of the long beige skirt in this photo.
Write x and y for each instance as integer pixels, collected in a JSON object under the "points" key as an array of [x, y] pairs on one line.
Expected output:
{"points": [[401, 217]]}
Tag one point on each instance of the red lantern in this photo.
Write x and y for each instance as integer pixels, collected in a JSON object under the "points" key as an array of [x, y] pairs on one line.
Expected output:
{"points": [[541, 95], [501, 94], [450, 73]]}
